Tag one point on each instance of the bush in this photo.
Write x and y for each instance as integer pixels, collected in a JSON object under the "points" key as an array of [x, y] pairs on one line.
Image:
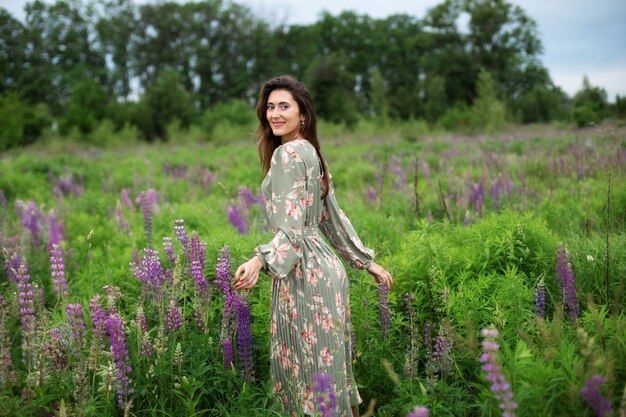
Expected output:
{"points": [[459, 118]]}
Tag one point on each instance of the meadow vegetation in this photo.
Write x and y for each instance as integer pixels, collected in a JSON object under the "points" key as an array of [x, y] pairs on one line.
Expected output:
{"points": [[115, 295]]}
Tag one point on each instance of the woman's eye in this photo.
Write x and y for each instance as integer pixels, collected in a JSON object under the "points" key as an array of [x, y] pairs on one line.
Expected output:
{"points": [[284, 107]]}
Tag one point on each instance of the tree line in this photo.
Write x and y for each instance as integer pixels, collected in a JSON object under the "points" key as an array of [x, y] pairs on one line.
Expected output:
{"points": [[73, 63]]}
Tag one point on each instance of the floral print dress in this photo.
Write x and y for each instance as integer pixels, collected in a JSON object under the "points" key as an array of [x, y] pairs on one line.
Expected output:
{"points": [[310, 304]]}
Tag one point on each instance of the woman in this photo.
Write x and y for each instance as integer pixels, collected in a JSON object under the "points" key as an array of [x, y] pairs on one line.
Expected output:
{"points": [[310, 305]]}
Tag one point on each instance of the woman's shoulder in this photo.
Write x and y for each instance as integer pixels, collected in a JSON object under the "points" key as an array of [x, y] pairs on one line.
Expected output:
{"points": [[298, 150]]}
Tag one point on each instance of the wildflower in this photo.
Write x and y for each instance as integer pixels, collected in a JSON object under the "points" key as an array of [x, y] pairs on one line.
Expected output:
{"points": [[385, 313], [53, 350], [244, 339], [411, 357], [420, 411], [30, 216], [567, 282], [591, 394], [499, 386], [25, 300], [6, 362], [237, 220], [150, 271], [147, 202], [178, 357], [181, 234], [57, 267], [197, 250], [120, 218], [76, 321], [589, 258], [55, 231], [168, 249], [98, 316], [396, 167], [246, 199], [228, 352], [119, 353], [325, 396], [540, 300], [141, 323], [173, 316], [371, 194], [125, 199]]}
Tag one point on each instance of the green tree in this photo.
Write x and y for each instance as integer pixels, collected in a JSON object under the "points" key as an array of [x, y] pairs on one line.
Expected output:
{"points": [[62, 50], [86, 106], [21, 123], [436, 100], [164, 102], [489, 111], [379, 95], [589, 104], [332, 88]]}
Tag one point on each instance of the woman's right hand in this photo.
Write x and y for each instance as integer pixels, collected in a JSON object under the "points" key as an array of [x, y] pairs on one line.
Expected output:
{"points": [[380, 274], [247, 274]]}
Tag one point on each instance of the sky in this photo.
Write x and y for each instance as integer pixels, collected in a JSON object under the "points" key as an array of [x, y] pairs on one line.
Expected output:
{"points": [[579, 37]]}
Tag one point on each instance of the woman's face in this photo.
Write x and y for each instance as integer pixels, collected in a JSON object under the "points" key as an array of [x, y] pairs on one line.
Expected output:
{"points": [[283, 115]]}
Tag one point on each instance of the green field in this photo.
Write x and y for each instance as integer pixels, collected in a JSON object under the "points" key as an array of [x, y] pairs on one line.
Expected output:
{"points": [[469, 226]]}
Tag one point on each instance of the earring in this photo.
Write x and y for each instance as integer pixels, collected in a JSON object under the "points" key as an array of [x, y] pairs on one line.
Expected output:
{"points": [[302, 122]]}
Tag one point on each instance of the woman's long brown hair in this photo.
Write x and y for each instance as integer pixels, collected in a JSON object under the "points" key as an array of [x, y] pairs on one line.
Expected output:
{"points": [[268, 142]]}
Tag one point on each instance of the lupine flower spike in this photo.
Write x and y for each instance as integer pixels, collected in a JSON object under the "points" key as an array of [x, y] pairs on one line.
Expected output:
{"points": [[499, 386]]}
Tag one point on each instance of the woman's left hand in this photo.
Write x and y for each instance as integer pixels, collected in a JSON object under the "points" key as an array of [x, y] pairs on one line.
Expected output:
{"points": [[380, 274], [247, 274]]}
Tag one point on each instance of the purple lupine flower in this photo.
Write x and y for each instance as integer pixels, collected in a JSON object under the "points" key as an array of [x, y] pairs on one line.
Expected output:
{"points": [[173, 322], [12, 263], [477, 195], [385, 313], [98, 316], [150, 271], [56, 231], [125, 199], [237, 220], [591, 394], [499, 386], [54, 350], [223, 282], [495, 192], [168, 249], [222, 270], [244, 339], [567, 282], [6, 361], [76, 320], [467, 220], [540, 300], [181, 234], [57, 272], [228, 353], [30, 219], [410, 365], [197, 250], [246, 199], [396, 167], [25, 300], [119, 217], [146, 204], [443, 351], [205, 177], [325, 396], [420, 411], [141, 322], [200, 281], [353, 347], [371, 194], [119, 353]]}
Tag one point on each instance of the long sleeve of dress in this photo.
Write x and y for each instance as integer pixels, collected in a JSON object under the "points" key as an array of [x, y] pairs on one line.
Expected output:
{"points": [[338, 230], [287, 212]]}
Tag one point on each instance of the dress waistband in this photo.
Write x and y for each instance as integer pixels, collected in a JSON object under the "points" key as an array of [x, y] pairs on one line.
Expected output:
{"points": [[311, 230]]}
